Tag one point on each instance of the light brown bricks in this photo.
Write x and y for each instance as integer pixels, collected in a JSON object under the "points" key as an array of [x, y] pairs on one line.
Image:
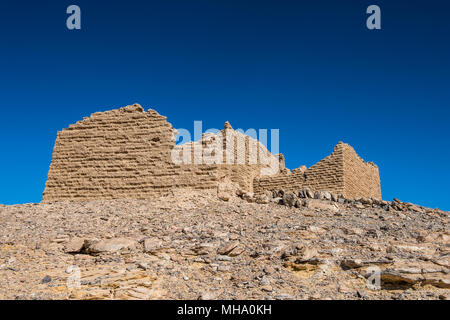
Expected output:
{"points": [[129, 153], [341, 172]]}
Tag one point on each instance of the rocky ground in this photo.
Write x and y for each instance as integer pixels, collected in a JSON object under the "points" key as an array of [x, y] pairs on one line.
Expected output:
{"points": [[195, 245]]}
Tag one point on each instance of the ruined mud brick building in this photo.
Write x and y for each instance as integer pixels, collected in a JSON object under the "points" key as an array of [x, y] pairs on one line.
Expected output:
{"points": [[342, 172], [132, 153]]}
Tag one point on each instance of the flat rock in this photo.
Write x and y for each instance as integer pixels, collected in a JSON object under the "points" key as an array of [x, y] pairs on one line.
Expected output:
{"points": [[316, 204], [74, 245], [109, 245]]}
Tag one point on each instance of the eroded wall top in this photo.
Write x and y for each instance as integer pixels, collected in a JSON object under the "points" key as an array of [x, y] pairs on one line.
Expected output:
{"points": [[342, 172], [132, 153]]}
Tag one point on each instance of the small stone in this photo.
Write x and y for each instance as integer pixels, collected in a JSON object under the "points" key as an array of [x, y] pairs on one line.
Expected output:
{"points": [[362, 294], [207, 296], [283, 296], [75, 245], [152, 245], [326, 195], [269, 270], [239, 249], [143, 265], [277, 200], [308, 193], [227, 248], [366, 201], [320, 205], [359, 206], [351, 263], [223, 258], [248, 196], [264, 281], [289, 199], [225, 196], [262, 199], [46, 279], [61, 238], [298, 203], [267, 288], [109, 245]]}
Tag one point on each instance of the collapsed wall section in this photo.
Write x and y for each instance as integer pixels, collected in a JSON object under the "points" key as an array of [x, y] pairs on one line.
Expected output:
{"points": [[236, 156], [342, 172], [326, 175]]}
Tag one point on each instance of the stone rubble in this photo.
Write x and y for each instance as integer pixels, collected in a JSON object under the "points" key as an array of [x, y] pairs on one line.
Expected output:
{"points": [[188, 244]]}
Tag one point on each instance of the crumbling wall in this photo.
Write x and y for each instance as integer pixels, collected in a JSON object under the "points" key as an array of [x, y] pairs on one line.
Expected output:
{"points": [[342, 172], [130, 153], [361, 179], [124, 153], [235, 155], [326, 175]]}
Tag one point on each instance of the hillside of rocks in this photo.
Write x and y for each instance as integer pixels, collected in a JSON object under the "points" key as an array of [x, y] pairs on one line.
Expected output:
{"points": [[225, 244]]}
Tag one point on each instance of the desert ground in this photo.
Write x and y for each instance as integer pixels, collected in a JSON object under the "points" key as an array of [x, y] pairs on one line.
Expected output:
{"points": [[198, 245]]}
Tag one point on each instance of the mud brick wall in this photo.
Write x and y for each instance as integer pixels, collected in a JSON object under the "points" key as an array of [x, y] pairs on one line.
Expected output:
{"points": [[244, 158], [341, 172], [326, 175], [127, 153], [124, 153], [236, 156], [361, 179]]}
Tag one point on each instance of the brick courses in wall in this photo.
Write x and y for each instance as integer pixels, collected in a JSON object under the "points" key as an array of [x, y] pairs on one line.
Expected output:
{"points": [[130, 152], [342, 172], [361, 179]]}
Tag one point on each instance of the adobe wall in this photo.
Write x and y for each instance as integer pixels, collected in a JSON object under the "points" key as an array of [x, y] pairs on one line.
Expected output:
{"points": [[342, 172], [326, 175], [236, 155], [361, 179], [129, 153], [124, 153]]}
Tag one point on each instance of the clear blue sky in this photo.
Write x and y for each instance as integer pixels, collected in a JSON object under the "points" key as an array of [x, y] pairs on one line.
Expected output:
{"points": [[310, 68]]}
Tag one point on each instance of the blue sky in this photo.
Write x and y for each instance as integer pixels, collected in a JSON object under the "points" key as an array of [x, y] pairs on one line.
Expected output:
{"points": [[309, 68]]}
